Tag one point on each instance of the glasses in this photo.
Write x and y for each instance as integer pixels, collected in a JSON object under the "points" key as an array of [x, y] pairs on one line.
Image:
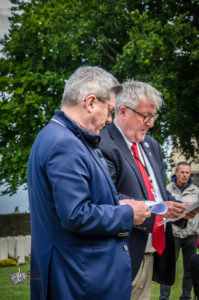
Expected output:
{"points": [[146, 118], [111, 109]]}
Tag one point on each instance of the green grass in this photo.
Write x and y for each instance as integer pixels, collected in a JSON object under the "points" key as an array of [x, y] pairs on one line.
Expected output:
{"points": [[21, 291], [176, 288], [9, 291]]}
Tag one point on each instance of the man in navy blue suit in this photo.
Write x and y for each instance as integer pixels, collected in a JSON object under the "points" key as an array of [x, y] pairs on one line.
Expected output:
{"points": [[79, 229], [136, 110]]}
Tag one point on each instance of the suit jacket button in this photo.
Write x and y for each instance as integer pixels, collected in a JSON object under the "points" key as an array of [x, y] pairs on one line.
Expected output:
{"points": [[126, 248], [123, 234]]}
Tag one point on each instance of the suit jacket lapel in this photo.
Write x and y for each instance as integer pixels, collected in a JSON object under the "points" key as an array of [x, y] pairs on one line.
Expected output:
{"points": [[121, 144]]}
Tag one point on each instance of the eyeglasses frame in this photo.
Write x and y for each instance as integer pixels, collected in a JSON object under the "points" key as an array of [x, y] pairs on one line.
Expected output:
{"points": [[111, 109], [144, 117]]}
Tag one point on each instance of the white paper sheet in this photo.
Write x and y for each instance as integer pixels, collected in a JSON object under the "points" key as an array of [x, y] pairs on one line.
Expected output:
{"points": [[159, 208]]}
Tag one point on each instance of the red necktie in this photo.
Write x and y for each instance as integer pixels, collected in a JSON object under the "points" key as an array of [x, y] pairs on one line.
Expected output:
{"points": [[158, 242]]}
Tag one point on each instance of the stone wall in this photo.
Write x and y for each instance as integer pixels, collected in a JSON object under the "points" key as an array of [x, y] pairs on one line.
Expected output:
{"points": [[195, 178]]}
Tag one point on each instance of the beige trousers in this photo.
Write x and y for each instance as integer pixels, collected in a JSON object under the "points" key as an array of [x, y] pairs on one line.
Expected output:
{"points": [[141, 285]]}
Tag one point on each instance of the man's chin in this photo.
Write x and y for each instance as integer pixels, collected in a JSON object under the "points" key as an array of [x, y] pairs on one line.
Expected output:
{"points": [[141, 138]]}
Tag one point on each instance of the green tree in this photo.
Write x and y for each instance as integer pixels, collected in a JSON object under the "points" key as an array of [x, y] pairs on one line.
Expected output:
{"points": [[150, 40]]}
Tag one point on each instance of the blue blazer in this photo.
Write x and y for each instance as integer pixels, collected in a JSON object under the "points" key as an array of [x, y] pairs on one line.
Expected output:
{"points": [[78, 229], [129, 184]]}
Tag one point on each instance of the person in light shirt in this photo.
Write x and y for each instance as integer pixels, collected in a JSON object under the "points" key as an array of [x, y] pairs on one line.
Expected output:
{"points": [[183, 189]]}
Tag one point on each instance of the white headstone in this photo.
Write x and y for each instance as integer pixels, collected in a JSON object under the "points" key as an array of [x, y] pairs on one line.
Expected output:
{"points": [[3, 248], [27, 244], [11, 246], [20, 249]]}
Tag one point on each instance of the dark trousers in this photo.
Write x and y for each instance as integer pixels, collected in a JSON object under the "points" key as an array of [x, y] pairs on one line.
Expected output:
{"points": [[188, 246], [194, 264]]}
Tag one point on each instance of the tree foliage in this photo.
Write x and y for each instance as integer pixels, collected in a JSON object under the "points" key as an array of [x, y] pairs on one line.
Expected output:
{"points": [[150, 40]]}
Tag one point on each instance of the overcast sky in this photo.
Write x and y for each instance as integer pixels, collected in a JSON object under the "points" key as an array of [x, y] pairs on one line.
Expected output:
{"points": [[4, 14]]}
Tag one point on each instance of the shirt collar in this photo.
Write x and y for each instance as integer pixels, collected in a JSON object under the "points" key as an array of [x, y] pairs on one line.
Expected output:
{"points": [[129, 143], [90, 137]]}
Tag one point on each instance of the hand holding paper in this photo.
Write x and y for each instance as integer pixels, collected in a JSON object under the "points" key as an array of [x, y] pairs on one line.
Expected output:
{"points": [[175, 209], [191, 214], [140, 209], [190, 208]]}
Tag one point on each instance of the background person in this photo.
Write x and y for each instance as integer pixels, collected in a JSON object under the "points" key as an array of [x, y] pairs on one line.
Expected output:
{"points": [[79, 231], [136, 167], [182, 188]]}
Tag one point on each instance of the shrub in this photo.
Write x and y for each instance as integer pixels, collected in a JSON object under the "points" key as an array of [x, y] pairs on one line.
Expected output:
{"points": [[8, 262]]}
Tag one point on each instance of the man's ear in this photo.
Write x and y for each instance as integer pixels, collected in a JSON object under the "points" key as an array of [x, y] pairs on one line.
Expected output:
{"points": [[122, 112], [90, 102]]}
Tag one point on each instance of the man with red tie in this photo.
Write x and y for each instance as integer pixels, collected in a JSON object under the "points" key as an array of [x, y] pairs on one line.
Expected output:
{"points": [[136, 167]]}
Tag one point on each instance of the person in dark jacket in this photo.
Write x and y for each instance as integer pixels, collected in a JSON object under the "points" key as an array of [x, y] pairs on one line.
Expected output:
{"points": [[136, 111]]}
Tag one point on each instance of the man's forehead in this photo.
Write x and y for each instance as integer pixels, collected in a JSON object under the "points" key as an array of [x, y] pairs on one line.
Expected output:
{"points": [[184, 168], [144, 101]]}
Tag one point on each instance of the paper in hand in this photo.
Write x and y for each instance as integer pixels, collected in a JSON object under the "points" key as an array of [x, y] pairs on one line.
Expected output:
{"points": [[158, 208]]}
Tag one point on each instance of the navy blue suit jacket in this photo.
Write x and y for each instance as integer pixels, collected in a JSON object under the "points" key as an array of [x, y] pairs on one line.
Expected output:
{"points": [[129, 184], [78, 228]]}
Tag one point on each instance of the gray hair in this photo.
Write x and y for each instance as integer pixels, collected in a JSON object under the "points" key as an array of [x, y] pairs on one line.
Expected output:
{"points": [[133, 93], [89, 80], [182, 163]]}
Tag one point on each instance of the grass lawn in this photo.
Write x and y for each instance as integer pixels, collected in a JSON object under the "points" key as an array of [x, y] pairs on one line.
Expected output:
{"points": [[21, 291], [9, 291], [176, 288]]}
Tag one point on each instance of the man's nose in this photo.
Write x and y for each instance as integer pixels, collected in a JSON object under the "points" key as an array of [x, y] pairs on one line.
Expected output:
{"points": [[150, 123]]}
